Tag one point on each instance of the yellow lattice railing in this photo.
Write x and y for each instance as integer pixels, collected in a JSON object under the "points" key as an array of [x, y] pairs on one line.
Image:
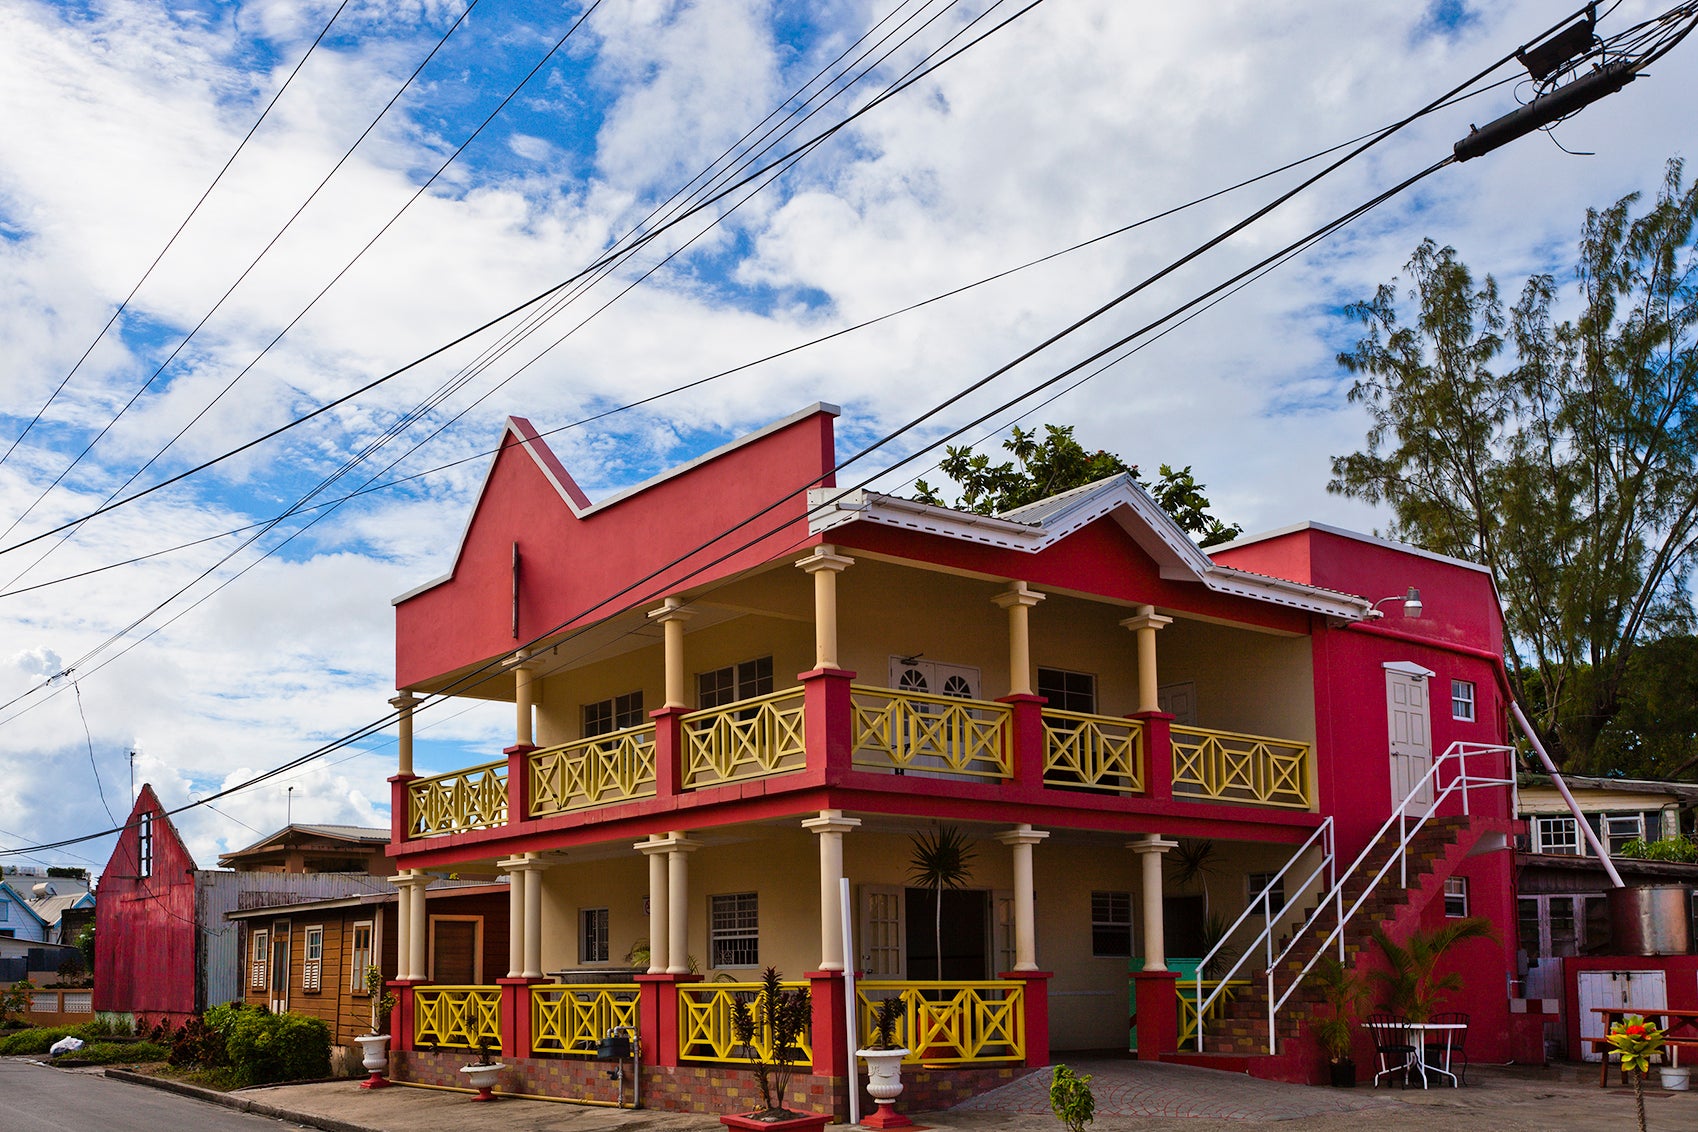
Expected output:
{"points": [[1226, 767], [456, 1017], [1097, 751], [475, 798], [748, 739], [952, 1023], [571, 1019], [918, 733], [592, 772], [705, 1032], [1216, 1009]]}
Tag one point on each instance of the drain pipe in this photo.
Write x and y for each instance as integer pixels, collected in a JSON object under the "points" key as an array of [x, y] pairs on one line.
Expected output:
{"points": [[1562, 788]]}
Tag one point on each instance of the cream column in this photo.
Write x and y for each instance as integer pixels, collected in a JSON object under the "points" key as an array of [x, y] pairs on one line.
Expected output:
{"points": [[404, 704], [655, 850], [1020, 840], [1145, 623], [533, 916], [825, 564], [403, 925], [413, 935], [514, 867], [672, 616], [1018, 600], [524, 698], [831, 825], [1151, 848], [678, 853]]}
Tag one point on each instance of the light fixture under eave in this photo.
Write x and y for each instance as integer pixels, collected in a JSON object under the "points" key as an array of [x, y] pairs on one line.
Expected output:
{"points": [[1411, 604]]}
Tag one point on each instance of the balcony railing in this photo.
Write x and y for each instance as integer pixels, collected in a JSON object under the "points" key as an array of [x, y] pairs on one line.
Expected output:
{"points": [[952, 1023], [592, 772], [457, 1017], [749, 739], [571, 1019], [918, 733], [1223, 766], [1099, 752], [475, 798], [1215, 1005], [705, 1029]]}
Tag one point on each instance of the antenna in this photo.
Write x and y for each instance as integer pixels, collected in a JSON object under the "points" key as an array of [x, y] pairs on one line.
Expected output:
{"points": [[289, 811]]}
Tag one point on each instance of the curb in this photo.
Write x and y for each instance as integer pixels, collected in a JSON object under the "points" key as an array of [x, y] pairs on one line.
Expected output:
{"points": [[239, 1103]]}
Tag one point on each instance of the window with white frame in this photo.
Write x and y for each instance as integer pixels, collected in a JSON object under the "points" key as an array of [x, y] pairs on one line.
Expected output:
{"points": [[1068, 691], [312, 967], [734, 924], [1558, 925], [742, 681], [592, 935], [1556, 833], [5, 910], [613, 714], [257, 955], [1619, 829], [361, 955], [1255, 882], [1111, 924], [144, 844], [1462, 700], [1456, 896]]}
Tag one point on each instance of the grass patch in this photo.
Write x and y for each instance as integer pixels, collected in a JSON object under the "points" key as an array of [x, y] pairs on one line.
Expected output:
{"points": [[224, 1079], [112, 1053]]}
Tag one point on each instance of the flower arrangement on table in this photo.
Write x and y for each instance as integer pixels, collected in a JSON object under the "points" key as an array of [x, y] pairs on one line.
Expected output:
{"points": [[1637, 1041]]}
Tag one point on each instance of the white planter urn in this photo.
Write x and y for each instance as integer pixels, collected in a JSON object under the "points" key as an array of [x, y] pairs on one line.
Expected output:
{"points": [[482, 1078], [374, 1055], [884, 1085]]}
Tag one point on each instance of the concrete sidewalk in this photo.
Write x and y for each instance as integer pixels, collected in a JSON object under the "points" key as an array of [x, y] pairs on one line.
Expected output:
{"points": [[1131, 1096]]}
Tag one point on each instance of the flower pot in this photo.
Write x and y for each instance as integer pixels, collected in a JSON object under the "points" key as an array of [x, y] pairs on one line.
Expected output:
{"points": [[374, 1055], [1342, 1074], [768, 1122], [482, 1078], [884, 1085], [1676, 1078]]}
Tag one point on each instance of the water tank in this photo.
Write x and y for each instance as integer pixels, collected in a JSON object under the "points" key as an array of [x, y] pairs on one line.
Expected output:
{"points": [[1653, 919]]}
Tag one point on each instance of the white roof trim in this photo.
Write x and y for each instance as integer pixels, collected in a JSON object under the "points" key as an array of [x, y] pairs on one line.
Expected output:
{"points": [[1177, 557]]}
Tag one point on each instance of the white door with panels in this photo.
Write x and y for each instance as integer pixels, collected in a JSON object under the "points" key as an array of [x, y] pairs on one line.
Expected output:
{"points": [[1409, 726], [1642, 991]]}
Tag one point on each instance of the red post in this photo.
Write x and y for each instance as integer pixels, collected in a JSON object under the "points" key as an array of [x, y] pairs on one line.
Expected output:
{"points": [[1036, 1007], [828, 710], [516, 1016], [400, 807], [402, 1018], [1158, 1013], [518, 782], [1158, 754], [1026, 744], [830, 1024], [668, 750], [657, 1016]]}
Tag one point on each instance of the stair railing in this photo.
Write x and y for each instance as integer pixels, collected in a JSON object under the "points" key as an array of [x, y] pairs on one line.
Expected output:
{"points": [[1263, 903], [1459, 784]]}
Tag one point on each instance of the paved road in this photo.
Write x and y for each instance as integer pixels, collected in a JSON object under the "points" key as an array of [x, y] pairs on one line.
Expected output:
{"points": [[39, 1098]]}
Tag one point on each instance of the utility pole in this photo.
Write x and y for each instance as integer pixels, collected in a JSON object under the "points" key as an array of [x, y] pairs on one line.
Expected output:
{"points": [[289, 809]]}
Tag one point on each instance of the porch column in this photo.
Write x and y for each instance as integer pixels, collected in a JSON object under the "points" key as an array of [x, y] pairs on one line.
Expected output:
{"points": [[514, 867], [524, 697], [1018, 600], [678, 853], [825, 564], [403, 705], [1145, 623], [403, 924], [533, 916], [672, 616], [1156, 1009], [1151, 848], [1020, 840], [831, 825], [655, 850]]}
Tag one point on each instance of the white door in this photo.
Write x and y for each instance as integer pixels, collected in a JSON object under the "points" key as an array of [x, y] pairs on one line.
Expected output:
{"points": [[956, 680], [927, 740], [1407, 715], [1179, 701], [882, 933], [1615, 990]]}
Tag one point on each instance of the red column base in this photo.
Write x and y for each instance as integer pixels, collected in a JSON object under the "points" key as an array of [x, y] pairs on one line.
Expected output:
{"points": [[375, 1081], [887, 1117], [486, 1095]]}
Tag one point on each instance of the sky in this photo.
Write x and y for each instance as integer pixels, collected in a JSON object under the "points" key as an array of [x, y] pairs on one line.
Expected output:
{"points": [[179, 281]]}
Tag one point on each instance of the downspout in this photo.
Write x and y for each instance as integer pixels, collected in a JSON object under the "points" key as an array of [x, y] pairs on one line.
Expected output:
{"points": [[1502, 673]]}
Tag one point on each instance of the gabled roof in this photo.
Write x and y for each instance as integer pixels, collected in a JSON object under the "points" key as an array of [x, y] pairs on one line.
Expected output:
{"points": [[51, 908], [23, 901], [1037, 526]]}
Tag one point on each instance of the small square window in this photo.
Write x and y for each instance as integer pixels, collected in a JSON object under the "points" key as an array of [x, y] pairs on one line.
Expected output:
{"points": [[1556, 834], [1462, 700], [592, 937], [734, 924], [1111, 924], [734, 682], [614, 714], [1620, 829], [1456, 896], [1256, 882], [1068, 691]]}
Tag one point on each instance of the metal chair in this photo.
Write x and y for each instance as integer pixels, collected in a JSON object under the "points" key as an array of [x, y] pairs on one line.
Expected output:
{"points": [[1393, 1046], [1436, 1048]]}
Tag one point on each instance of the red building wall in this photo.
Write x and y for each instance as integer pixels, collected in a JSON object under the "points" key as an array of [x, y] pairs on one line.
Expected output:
{"points": [[144, 939]]}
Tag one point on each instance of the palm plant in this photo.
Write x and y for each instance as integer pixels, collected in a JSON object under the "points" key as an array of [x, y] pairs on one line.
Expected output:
{"points": [[942, 858], [780, 1016], [1343, 993], [1194, 862], [1412, 984]]}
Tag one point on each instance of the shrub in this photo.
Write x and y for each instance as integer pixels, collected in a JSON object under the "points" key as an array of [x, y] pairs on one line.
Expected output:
{"points": [[108, 1053], [1070, 1097], [264, 1047], [14, 1003], [38, 1040]]}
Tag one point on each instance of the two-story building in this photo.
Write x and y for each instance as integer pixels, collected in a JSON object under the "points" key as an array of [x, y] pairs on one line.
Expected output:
{"points": [[738, 685]]}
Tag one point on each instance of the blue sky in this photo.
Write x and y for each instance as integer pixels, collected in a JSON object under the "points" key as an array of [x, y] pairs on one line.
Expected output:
{"points": [[1080, 118]]}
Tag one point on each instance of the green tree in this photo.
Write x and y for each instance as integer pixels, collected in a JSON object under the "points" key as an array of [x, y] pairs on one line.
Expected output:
{"points": [[940, 859], [1057, 463], [1562, 454]]}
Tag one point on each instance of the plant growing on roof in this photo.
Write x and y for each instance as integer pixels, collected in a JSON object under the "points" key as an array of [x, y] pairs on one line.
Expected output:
{"points": [[780, 1016], [941, 858], [1412, 985]]}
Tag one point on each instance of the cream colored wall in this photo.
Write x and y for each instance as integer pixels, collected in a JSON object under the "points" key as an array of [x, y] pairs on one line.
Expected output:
{"points": [[1249, 682], [1083, 636], [1545, 800], [782, 867], [1088, 997], [618, 884], [886, 611]]}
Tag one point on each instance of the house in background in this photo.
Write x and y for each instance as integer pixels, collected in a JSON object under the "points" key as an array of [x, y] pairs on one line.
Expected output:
{"points": [[163, 948], [45, 909], [315, 849], [717, 722]]}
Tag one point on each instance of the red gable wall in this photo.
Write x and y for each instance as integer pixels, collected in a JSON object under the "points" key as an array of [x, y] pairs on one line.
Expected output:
{"points": [[144, 939], [580, 570]]}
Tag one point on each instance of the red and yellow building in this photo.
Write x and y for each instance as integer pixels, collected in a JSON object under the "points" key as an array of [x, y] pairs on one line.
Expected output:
{"points": [[737, 685]]}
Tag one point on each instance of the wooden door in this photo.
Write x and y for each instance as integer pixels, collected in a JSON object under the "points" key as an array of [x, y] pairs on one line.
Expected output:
{"points": [[278, 997], [1408, 717], [454, 951], [1635, 990]]}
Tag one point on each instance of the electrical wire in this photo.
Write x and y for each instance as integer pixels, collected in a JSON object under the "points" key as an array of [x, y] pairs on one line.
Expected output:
{"points": [[93, 765]]}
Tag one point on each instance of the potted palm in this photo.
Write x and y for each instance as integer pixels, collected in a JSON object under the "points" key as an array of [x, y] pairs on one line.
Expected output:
{"points": [[482, 1073], [1411, 982], [780, 1017], [1343, 994], [883, 1057], [374, 1047]]}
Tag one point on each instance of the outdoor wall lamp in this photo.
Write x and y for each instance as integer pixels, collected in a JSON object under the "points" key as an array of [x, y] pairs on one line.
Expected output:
{"points": [[1411, 604]]}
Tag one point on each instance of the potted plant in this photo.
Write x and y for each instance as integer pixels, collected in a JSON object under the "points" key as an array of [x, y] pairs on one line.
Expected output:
{"points": [[1343, 994], [780, 1016], [374, 1047], [883, 1057], [1411, 982], [481, 1074]]}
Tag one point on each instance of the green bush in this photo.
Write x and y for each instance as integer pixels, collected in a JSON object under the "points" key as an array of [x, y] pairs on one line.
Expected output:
{"points": [[38, 1040], [264, 1047], [1676, 848], [126, 1053]]}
